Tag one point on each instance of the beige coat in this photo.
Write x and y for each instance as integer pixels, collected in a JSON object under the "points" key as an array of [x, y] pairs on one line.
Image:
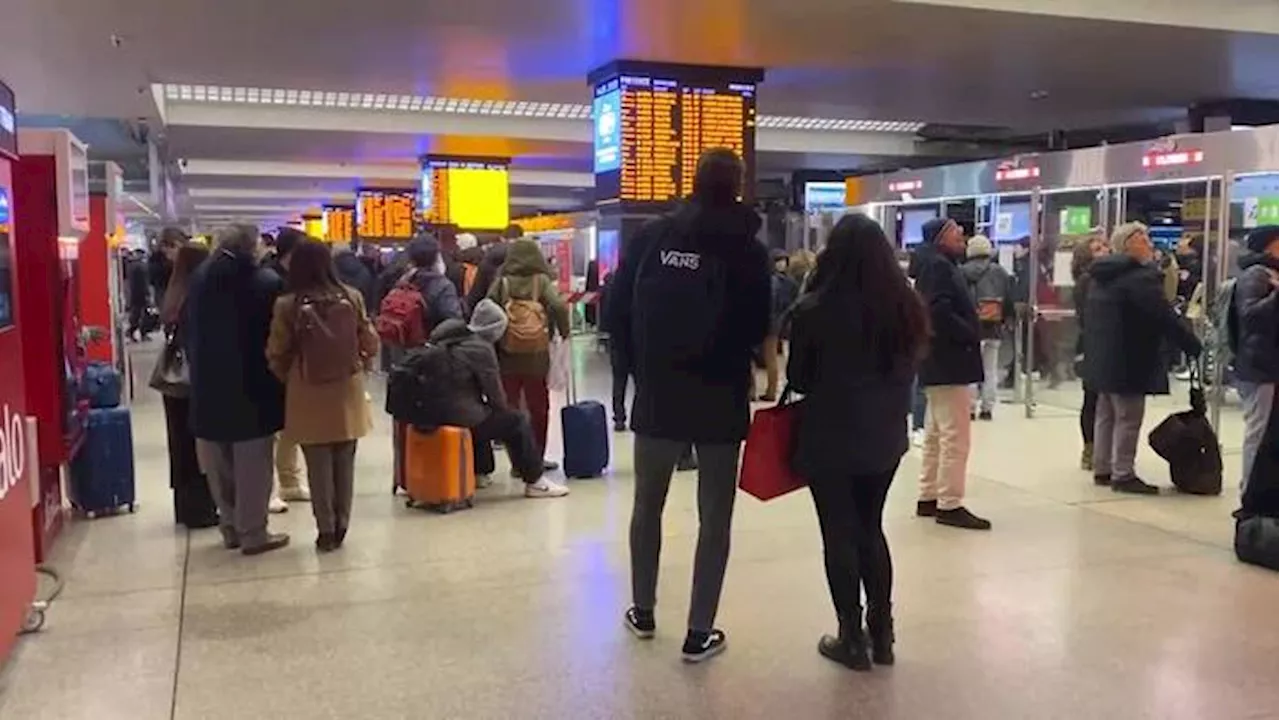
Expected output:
{"points": [[331, 412]]}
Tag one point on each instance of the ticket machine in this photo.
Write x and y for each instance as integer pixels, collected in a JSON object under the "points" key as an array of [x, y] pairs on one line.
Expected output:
{"points": [[17, 442], [51, 197]]}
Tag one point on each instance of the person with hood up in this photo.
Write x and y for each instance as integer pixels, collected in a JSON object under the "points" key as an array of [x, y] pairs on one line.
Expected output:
{"points": [[953, 363], [1126, 323], [237, 404], [991, 288], [691, 300], [525, 282], [495, 254], [479, 402], [1254, 301]]}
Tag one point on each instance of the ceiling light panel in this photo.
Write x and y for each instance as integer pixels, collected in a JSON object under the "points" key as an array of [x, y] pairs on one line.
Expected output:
{"points": [[509, 108]]}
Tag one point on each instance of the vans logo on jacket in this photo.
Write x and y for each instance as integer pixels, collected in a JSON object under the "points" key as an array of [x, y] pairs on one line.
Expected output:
{"points": [[677, 259]]}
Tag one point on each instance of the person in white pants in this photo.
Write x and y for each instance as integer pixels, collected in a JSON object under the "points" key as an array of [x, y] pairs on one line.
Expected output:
{"points": [[990, 286], [953, 363]]}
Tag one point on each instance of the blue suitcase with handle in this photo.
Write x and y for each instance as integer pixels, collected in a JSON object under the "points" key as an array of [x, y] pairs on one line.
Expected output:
{"points": [[102, 473], [586, 439]]}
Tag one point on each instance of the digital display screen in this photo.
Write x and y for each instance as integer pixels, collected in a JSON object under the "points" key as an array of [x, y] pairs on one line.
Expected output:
{"points": [[1012, 221], [664, 121], [8, 122], [824, 196], [913, 221], [6, 269], [385, 214], [471, 194], [339, 223]]}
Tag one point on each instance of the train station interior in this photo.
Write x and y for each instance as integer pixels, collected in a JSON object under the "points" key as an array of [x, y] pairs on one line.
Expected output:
{"points": [[1043, 127]]}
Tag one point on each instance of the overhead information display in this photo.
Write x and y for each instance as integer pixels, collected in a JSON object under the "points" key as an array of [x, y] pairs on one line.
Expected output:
{"points": [[653, 121], [385, 215], [472, 194], [339, 223]]}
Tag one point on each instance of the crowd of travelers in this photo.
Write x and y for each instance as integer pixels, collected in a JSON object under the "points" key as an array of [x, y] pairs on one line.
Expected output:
{"points": [[694, 306]]}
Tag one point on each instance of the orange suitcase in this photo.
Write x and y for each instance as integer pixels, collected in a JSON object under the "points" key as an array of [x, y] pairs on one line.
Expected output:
{"points": [[438, 469]]}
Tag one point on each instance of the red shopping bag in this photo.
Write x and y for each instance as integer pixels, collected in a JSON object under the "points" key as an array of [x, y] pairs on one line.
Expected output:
{"points": [[766, 461]]}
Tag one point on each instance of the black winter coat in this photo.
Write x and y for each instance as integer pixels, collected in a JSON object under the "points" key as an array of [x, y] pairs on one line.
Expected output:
{"points": [[1257, 320], [353, 273], [710, 406], [850, 421], [955, 356], [1126, 321], [226, 321], [494, 257]]}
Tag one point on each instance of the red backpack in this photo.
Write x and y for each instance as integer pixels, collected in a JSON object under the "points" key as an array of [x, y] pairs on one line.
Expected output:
{"points": [[401, 320]]}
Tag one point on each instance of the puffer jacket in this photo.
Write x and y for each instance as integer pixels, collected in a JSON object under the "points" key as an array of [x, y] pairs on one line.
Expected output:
{"points": [[515, 280], [1255, 306], [475, 382], [954, 355], [988, 280]]}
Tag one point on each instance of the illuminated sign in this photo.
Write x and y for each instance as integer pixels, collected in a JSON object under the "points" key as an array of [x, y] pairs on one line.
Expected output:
{"points": [[8, 126], [1172, 159], [4, 206], [385, 214], [1017, 173], [339, 223], [901, 186], [824, 196], [652, 122], [544, 223], [470, 194]]}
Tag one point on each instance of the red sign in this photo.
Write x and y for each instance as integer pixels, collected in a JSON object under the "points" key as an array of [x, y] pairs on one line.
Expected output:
{"points": [[564, 262], [1017, 173], [1173, 158], [905, 186], [17, 552]]}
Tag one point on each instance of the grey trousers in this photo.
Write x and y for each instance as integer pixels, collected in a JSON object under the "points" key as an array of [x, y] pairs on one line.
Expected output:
{"points": [[331, 469], [240, 476], [1116, 429], [655, 460], [1256, 399]]}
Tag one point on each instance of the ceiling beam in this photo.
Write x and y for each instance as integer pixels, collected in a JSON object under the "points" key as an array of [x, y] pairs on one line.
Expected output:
{"points": [[1253, 17]]}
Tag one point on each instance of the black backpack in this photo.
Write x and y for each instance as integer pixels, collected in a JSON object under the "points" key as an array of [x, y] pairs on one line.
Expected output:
{"points": [[420, 385], [678, 301]]}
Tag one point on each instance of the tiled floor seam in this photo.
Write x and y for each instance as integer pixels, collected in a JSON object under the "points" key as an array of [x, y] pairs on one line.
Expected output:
{"points": [[182, 613]]}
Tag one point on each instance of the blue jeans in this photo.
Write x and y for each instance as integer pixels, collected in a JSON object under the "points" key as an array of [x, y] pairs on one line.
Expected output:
{"points": [[918, 405], [1257, 399]]}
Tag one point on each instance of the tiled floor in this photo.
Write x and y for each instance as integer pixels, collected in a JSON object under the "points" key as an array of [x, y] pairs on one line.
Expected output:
{"points": [[1079, 604]]}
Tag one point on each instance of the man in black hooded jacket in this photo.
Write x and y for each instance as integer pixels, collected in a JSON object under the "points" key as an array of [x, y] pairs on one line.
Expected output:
{"points": [[953, 363], [1127, 320], [1254, 306]]}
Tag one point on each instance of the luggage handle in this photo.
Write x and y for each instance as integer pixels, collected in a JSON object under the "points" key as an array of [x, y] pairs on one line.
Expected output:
{"points": [[1195, 384]]}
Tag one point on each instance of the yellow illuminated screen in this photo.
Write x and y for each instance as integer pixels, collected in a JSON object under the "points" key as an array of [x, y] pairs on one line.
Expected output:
{"points": [[339, 223], [313, 225], [476, 197], [385, 215]]}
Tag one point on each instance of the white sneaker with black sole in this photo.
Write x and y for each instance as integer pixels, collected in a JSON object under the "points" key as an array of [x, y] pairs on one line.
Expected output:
{"points": [[700, 646]]}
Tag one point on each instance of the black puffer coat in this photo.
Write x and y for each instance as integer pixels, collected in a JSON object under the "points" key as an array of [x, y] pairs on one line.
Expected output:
{"points": [[1255, 300], [1126, 321], [955, 356]]}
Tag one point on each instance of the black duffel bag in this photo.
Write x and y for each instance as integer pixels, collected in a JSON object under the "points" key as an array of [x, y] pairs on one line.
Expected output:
{"points": [[1188, 443]]}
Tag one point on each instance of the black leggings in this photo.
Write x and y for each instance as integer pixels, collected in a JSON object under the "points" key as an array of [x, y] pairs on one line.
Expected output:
{"points": [[1088, 409], [850, 510]]}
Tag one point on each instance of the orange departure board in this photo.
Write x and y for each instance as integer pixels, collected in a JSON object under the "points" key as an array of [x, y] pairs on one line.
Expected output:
{"points": [[651, 127], [339, 223], [468, 193], [385, 215]]}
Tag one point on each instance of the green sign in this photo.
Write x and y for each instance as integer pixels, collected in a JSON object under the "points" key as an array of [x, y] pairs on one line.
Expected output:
{"points": [[1075, 220], [1261, 211]]}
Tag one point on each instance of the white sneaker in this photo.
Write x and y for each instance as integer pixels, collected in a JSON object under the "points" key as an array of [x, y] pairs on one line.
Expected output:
{"points": [[544, 488], [483, 481], [917, 437], [277, 506], [301, 493]]}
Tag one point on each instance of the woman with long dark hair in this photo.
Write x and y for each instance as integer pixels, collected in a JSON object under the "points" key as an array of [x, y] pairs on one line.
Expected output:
{"points": [[1082, 258], [320, 346], [193, 504], [858, 334]]}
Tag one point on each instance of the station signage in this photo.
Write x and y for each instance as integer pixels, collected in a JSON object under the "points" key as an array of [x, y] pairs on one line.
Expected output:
{"points": [[339, 223], [905, 186], [1165, 153], [385, 215]]}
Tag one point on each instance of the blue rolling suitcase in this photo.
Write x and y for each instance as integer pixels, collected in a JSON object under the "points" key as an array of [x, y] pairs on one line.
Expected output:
{"points": [[102, 477], [586, 439], [102, 385]]}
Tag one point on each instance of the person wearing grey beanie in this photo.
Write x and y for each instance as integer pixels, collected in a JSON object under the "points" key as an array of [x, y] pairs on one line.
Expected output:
{"points": [[478, 401], [992, 291], [1253, 303]]}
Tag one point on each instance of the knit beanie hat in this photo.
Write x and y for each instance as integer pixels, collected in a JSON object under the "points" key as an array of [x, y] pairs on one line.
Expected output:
{"points": [[1258, 239], [489, 321], [979, 246]]}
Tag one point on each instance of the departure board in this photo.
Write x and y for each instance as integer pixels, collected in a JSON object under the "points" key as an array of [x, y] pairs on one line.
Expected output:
{"points": [[651, 127], [385, 214], [469, 193], [339, 223]]}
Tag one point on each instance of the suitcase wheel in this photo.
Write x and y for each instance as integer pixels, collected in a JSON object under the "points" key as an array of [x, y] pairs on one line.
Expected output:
{"points": [[409, 503], [471, 502]]}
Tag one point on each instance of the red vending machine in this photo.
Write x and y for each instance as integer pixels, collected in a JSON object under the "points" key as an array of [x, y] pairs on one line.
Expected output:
{"points": [[17, 435], [51, 194]]}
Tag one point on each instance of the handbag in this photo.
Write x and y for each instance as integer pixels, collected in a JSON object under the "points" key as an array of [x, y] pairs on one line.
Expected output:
{"points": [[171, 375], [766, 460], [1188, 443]]}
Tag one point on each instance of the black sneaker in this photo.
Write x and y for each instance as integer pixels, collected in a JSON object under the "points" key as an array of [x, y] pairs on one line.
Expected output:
{"points": [[985, 415], [926, 508], [1134, 486], [619, 425], [961, 518], [699, 646], [1102, 479], [550, 466], [640, 622]]}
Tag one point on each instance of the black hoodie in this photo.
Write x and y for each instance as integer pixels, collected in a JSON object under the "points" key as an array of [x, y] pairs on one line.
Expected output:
{"points": [[710, 403], [1126, 321], [1255, 305]]}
